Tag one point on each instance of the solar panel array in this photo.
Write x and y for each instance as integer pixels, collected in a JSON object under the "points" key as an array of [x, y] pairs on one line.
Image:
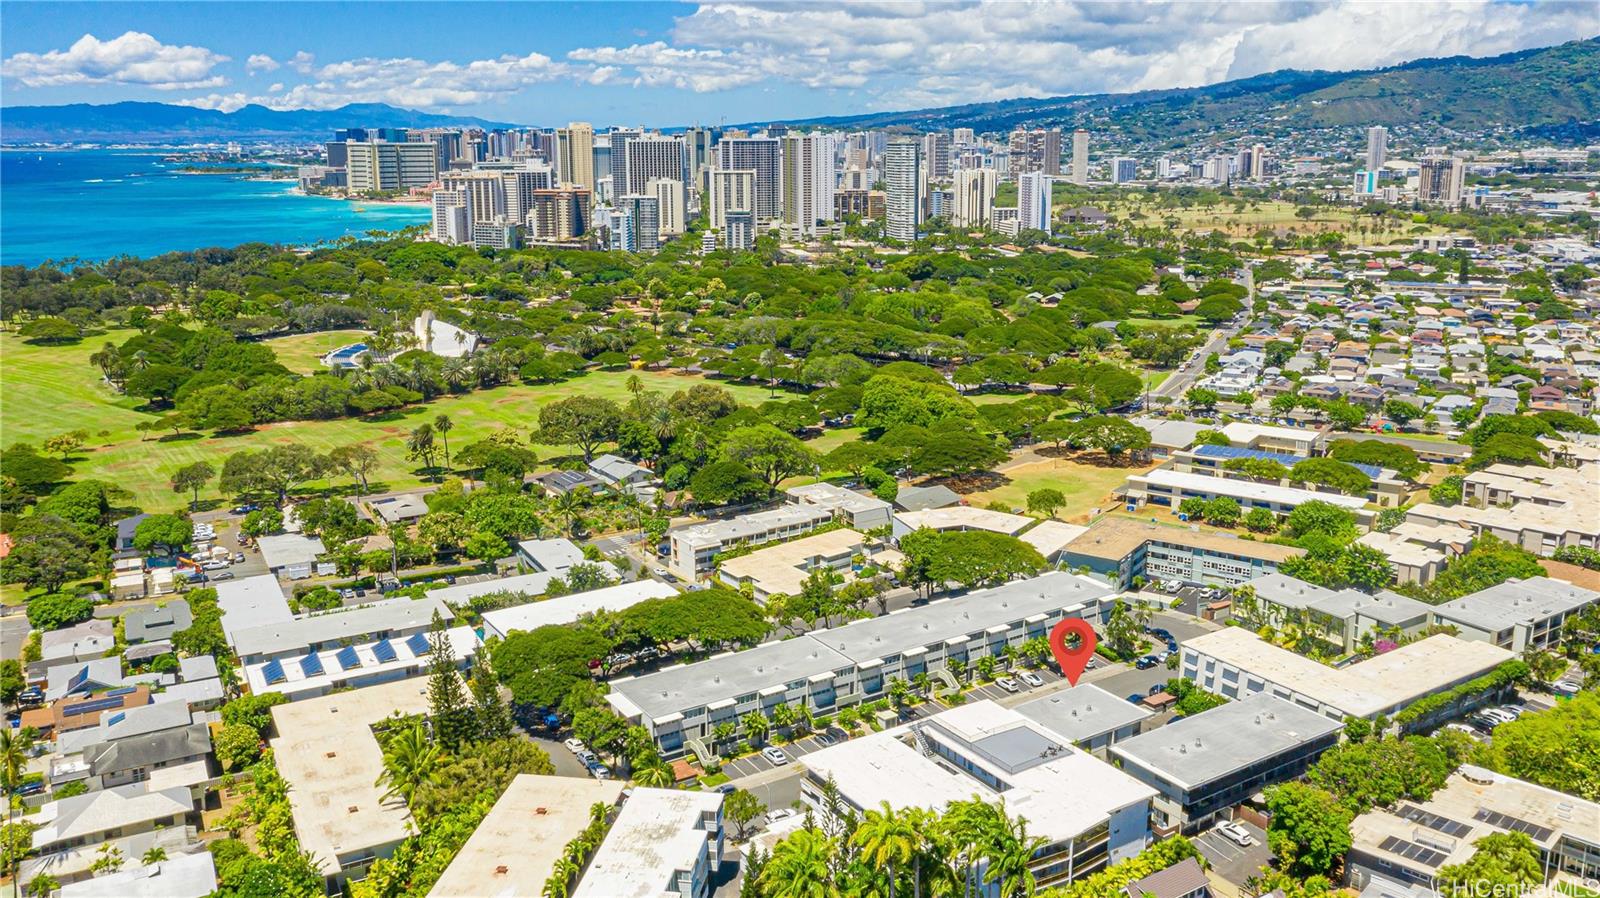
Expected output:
{"points": [[418, 644], [311, 665], [78, 679], [1412, 851], [384, 652], [347, 658], [125, 690], [1210, 450], [1507, 822], [94, 707], [273, 671], [116, 718], [1434, 821]]}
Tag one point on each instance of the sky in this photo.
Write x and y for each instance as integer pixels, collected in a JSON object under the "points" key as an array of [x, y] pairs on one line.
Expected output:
{"points": [[673, 64]]}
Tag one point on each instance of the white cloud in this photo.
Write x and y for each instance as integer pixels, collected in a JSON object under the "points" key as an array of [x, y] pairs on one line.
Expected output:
{"points": [[302, 62], [260, 62], [134, 58]]}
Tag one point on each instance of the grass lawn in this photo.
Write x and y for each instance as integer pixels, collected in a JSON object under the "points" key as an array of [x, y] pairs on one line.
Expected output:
{"points": [[303, 353], [1180, 321], [1221, 217], [1085, 486], [49, 390], [833, 439]]}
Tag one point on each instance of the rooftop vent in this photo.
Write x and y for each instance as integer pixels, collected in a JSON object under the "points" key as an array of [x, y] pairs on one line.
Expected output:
{"points": [[502, 870], [333, 754], [352, 809]]}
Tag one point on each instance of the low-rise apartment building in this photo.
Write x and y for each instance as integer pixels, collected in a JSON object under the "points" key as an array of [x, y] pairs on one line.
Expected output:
{"points": [[1518, 614], [1271, 438], [1201, 767], [1168, 487], [663, 842], [1412, 840], [1090, 815], [566, 609], [832, 668], [858, 511], [784, 568], [694, 548], [1091, 717], [1234, 663], [1120, 549]]}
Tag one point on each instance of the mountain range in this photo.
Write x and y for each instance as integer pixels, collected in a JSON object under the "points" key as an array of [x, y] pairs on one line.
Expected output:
{"points": [[168, 123], [1550, 92], [1544, 89]]}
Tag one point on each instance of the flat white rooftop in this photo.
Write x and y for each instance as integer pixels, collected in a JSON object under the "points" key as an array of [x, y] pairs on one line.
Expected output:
{"points": [[251, 602], [285, 549], [752, 526], [409, 658], [1050, 537], [1362, 689], [1192, 482], [299, 633], [1516, 602], [834, 497], [965, 517], [1083, 712], [526, 584], [568, 608], [1246, 433], [179, 876], [658, 833], [326, 751], [1060, 789], [512, 851], [1210, 745]]}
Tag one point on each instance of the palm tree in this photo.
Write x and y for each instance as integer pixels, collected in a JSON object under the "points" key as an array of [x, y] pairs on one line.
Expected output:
{"points": [[559, 884], [410, 761], [569, 505], [14, 746], [756, 727], [457, 373], [784, 716], [888, 841], [155, 855], [442, 425], [799, 867], [723, 733], [1011, 853], [658, 775], [598, 812]]}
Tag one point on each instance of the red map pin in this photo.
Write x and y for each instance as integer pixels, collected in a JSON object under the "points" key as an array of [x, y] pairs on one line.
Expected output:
{"points": [[1072, 660]]}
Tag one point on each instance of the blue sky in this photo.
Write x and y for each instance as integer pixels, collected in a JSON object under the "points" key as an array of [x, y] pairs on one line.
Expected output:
{"points": [[680, 63]]}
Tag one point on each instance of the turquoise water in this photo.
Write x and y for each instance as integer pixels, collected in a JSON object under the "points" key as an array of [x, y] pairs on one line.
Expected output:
{"points": [[96, 204]]}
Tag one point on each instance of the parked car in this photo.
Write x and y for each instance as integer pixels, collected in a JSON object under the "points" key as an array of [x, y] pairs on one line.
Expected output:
{"points": [[222, 575], [725, 788], [244, 509], [775, 755], [575, 746], [31, 697], [601, 772], [1031, 678], [1007, 684], [238, 558], [780, 814], [1136, 698], [588, 758], [826, 739], [1236, 834], [1566, 687], [1147, 662]]}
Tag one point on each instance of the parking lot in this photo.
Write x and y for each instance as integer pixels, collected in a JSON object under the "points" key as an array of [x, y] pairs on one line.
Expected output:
{"points": [[1233, 862], [757, 763], [999, 693]]}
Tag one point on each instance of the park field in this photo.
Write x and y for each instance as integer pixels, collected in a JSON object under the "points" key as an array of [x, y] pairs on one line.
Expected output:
{"points": [[1275, 216], [1085, 486], [302, 353], [49, 390]]}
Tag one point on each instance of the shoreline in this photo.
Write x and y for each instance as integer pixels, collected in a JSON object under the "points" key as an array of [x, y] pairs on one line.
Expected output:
{"points": [[416, 204]]}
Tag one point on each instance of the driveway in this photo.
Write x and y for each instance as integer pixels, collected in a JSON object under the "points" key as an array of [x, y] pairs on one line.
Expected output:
{"points": [[1232, 862]]}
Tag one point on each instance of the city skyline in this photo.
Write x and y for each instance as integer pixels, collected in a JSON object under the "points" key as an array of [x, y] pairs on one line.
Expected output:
{"points": [[669, 64]]}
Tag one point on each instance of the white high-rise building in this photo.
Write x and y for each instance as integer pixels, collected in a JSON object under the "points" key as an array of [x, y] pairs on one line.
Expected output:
{"points": [[732, 190], [1258, 162], [762, 156], [452, 217], [1441, 178], [486, 191], [1080, 156], [669, 196], [1124, 169], [936, 154], [1377, 147], [646, 159], [619, 230], [645, 213], [965, 137], [902, 176], [575, 155], [974, 198], [807, 181], [1033, 200], [386, 165]]}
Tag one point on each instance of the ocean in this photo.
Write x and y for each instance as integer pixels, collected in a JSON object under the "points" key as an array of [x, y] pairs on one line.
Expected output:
{"points": [[96, 204]]}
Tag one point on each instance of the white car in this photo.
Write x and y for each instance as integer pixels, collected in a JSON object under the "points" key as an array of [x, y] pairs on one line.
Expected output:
{"points": [[1031, 678], [775, 755], [1007, 684], [216, 565], [575, 746], [1236, 834], [780, 814]]}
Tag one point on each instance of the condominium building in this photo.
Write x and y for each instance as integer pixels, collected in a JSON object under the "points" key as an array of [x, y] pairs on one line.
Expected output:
{"points": [[559, 215], [974, 197], [1341, 617], [669, 196], [863, 203], [732, 190], [1518, 614], [649, 159], [1234, 662], [1377, 148], [644, 218], [763, 158], [1410, 841], [1080, 156], [833, 668], [1441, 180], [1037, 150], [1120, 549], [1203, 766], [1091, 717], [663, 842], [1033, 201], [783, 569], [575, 155], [903, 179], [1167, 488], [1089, 814], [807, 181], [936, 154], [383, 166], [694, 547], [1124, 170]]}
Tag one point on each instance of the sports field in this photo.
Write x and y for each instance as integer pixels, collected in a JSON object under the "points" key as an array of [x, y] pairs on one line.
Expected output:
{"points": [[1085, 486], [47, 390]]}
